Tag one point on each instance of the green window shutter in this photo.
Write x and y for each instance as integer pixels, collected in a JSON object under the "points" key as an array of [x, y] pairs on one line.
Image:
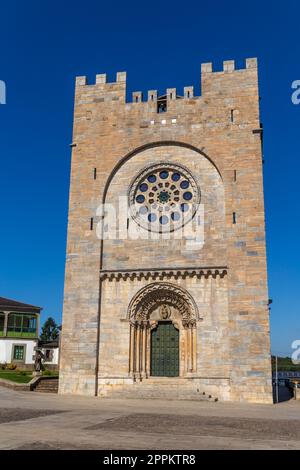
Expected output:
{"points": [[19, 353]]}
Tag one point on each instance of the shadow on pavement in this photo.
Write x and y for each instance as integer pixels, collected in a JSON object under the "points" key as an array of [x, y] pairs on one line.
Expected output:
{"points": [[284, 394]]}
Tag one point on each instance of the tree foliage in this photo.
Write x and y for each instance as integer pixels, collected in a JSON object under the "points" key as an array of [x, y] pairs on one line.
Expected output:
{"points": [[50, 330]]}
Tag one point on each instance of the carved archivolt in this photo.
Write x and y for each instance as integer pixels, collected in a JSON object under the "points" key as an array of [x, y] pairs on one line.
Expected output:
{"points": [[162, 293]]}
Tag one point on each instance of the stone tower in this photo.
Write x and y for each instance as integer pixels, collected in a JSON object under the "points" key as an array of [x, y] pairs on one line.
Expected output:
{"points": [[175, 304]]}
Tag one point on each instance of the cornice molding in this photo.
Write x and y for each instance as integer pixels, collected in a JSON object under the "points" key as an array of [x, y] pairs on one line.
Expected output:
{"points": [[163, 273]]}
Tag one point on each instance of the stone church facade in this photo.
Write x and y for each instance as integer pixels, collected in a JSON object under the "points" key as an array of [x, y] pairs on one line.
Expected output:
{"points": [[175, 304]]}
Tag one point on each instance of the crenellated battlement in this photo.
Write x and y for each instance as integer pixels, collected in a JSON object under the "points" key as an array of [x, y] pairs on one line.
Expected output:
{"points": [[228, 66], [101, 79], [211, 82]]}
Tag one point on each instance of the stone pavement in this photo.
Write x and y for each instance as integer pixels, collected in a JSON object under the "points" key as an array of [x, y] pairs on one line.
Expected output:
{"points": [[45, 421]]}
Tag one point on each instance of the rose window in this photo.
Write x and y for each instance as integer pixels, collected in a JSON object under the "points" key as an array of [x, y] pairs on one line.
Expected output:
{"points": [[164, 197]]}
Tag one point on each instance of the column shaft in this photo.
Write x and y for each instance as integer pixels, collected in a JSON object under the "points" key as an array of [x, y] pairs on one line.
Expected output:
{"points": [[6, 314], [194, 349], [131, 349], [186, 349], [134, 350], [138, 350], [142, 350], [145, 349], [190, 349], [148, 351]]}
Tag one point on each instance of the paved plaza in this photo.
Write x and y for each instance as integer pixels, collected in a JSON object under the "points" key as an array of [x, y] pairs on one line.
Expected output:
{"points": [[45, 421]]}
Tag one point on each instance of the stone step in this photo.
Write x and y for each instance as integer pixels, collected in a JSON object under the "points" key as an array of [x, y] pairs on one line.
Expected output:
{"points": [[47, 385], [164, 381], [155, 396], [164, 390], [46, 388]]}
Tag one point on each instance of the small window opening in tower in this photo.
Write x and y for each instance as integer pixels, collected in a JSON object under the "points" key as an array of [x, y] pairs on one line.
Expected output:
{"points": [[136, 99], [162, 104], [188, 94]]}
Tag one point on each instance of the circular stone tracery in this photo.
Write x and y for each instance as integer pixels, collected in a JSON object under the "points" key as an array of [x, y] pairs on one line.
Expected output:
{"points": [[163, 197]]}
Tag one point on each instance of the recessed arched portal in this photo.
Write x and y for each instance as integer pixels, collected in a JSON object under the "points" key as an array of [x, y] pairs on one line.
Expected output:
{"points": [[163, 319]]}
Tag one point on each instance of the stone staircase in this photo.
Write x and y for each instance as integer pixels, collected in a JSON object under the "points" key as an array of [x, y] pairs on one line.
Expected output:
{"points": [[158, 388], [47, 385]]}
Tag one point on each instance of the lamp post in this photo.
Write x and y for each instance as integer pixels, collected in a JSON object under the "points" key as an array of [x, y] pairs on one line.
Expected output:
{"points": [[276, 378]]}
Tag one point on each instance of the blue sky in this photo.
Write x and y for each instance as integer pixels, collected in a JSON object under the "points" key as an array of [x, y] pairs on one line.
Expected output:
{"points": [[44, 45]]}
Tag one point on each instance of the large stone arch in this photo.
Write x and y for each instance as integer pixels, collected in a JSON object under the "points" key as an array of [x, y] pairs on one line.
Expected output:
{"points": [[142, 148], [147, 298]]}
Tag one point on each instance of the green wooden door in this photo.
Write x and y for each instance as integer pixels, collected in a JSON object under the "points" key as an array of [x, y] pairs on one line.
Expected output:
{"points": [[165, 350]]}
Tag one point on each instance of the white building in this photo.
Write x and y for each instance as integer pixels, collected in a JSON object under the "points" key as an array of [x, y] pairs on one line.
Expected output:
{"points": [[19, 330], [50, 351]]}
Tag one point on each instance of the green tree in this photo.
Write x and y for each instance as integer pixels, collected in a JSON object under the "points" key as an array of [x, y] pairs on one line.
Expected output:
{"points": [[50, 330]]}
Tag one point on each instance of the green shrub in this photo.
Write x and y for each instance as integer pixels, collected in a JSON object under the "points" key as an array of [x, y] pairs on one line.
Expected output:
{"points": [[22, 372], [47, 372], [11, 366], [3, 366]]}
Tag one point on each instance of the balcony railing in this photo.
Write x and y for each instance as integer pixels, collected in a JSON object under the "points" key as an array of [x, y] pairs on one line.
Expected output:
{"points": [[18, 326]]}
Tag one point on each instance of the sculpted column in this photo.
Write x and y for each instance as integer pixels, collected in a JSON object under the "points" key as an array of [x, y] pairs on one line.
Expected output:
{"points": [[148, 351], [142, 362], [138, 350], [194, 347], [190, 346], [186, 349], [145, 342], [6, 314], [134, 351], [131, 349]]}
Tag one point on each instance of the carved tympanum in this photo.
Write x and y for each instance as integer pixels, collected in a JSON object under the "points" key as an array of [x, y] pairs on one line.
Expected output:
{"points": [[164, 312]]}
